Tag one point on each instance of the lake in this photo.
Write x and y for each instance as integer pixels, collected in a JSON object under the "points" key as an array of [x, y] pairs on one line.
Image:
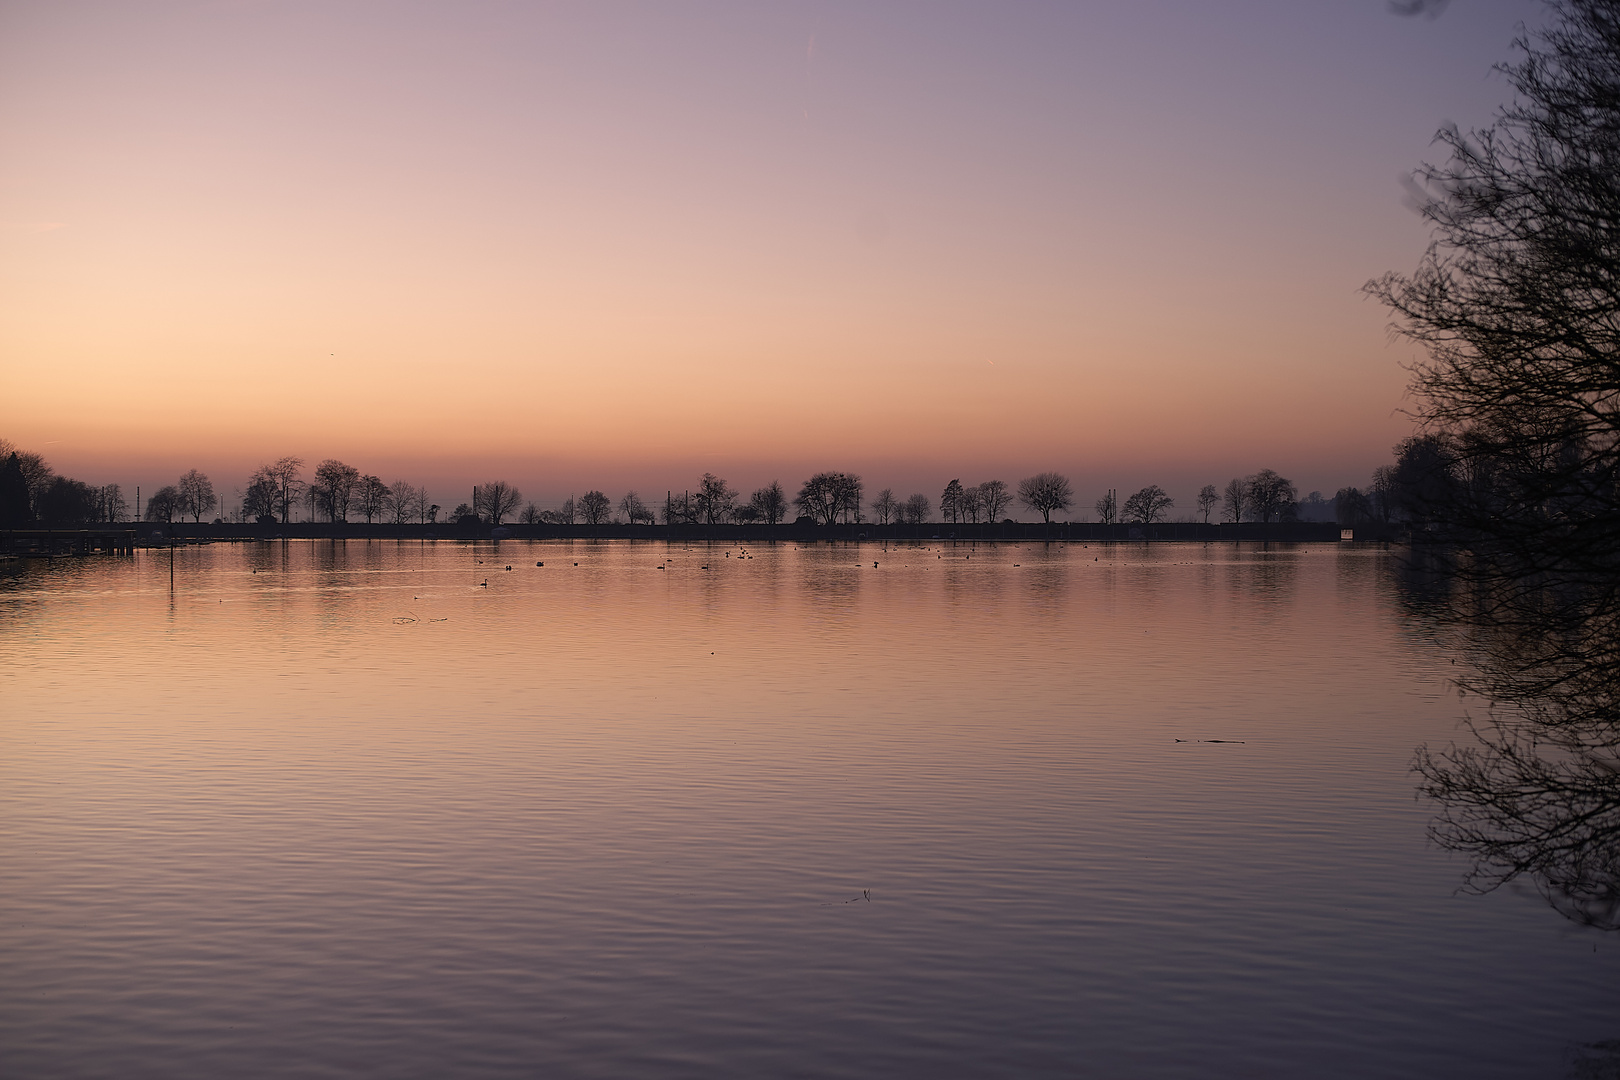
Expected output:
{"points": [[843, 810]]}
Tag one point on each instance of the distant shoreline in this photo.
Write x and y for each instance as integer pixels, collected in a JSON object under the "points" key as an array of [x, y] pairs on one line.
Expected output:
{"points": [[1302, 531]]}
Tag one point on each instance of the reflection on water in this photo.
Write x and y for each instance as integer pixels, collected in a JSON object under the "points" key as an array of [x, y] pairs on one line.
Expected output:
{"points": [[1534, 794], [392, 808]]}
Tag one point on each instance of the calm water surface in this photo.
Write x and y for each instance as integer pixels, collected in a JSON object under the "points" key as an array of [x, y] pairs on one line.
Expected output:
{"points": [[315, 809]]}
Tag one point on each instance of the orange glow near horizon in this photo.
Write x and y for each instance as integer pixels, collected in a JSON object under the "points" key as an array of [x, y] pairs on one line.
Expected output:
{"points": [[586, 248]]}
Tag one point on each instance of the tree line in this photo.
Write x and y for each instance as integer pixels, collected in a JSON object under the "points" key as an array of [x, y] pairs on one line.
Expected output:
{"points": [[338, 492]]}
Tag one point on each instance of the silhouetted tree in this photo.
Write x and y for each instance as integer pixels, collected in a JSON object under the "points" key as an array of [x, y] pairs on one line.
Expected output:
{"points": [[1148, 505], [16, 510], [950, 502], [497, 500], [15, 505], [886, 507], [1208, 499], [67, 502], [405, 501], [196, 495], [1515, 304], [37, 475], [715, 501], [1314, 507], [110, 503], [594, 507], [567, 513], [770, 503], [1269, 496], [1425, 477], [1381, 493], [827, 496], [164, 504], [635, 511], [1045, 493], [971, 504], [463, 513], [261, 499], [680, 509], [1107, 508], [1235, 499], [371, 497], [282, 478], [1351, 508], [333, 488], [916, 509], [996, 499]]}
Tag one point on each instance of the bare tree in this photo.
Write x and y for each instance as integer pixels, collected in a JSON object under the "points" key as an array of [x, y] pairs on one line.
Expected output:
{"points": [[829, 495], [333, 488], [885, 506], [594, 507], [112, 503], [1351, 508], [196, 495], [1270, 496], [164, 504], [681, 510], [950, 502], [635, 511], [1234, 499], [715, 501], [261, 500], [402, 501], [1515, 303], [1107, 508], [532, 515], [916, 509], [371, 497], [770, 503], [1148, 505], [997, 498], [1046, 492], [1208, 499], [972, 504], [36, 474], [496, 501], [281, 479]]}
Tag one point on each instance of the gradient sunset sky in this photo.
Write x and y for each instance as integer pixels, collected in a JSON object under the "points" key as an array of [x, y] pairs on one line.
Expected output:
{"points": [[617, 245]]}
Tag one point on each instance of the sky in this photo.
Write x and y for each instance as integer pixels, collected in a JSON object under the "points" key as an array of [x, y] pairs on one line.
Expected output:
{"points": [[616, 245]]}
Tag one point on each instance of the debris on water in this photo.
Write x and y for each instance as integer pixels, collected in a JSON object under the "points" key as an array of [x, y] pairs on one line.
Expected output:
{"points": [[1240, 742]]}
